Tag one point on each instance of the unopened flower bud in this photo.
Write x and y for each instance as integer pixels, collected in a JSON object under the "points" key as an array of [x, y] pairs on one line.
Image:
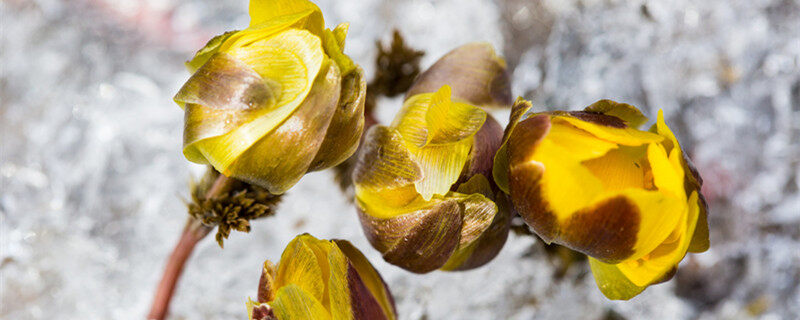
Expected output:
{"points": [[320, 279], [271, 102], [422, 184]]}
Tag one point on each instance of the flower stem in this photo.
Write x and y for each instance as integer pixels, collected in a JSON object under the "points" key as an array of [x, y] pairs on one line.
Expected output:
{"points": [[193, 232]]}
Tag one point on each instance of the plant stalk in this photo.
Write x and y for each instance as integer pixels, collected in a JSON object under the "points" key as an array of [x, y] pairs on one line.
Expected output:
{"points": [[193, 232]]}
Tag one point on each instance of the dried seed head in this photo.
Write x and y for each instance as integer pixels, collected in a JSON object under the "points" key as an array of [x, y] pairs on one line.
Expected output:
{"points": [[232, 209]]}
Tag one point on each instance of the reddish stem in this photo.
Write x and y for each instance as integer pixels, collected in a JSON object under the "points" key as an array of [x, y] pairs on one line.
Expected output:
{"points": [[193, 232], [183, 250]]}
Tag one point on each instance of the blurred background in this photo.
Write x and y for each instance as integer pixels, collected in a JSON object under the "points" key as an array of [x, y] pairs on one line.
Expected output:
{"points": [[94, 183]]}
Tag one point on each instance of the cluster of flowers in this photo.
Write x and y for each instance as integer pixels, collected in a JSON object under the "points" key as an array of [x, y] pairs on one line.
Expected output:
{"points": [[439, 186]]}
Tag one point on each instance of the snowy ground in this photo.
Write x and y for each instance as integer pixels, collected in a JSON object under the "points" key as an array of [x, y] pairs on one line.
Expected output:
{"points": [[93, 178]]}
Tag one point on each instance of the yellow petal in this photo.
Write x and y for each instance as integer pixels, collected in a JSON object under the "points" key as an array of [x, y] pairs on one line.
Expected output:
{"points": [[578, 144], [668, 254], [300, 265], [661, 128], [667, 176], [292, 302], [619, 226], [612, 282], [292, 59], [385, 174], [410, 121], [339, 296], [659, 214], [205, 53], [624, 136], [330, 42], [622, 168], [340, 33], [265, 30], [389, 203], [700, 241], [448, 121], [566, 184], [440, 165], [262, 11]]}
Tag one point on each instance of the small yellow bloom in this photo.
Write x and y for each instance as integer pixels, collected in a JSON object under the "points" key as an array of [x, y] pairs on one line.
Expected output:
{"points": [[422, 187], [591, 181], [321, 279], [271, 102]]}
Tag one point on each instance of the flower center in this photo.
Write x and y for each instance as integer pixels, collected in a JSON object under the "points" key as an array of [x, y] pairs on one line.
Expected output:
{"points": [[623, 168]]}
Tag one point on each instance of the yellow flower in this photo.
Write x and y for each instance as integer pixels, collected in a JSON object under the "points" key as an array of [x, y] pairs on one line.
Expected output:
{"points": [[276, 100], [422, 187], [320, 279], [591, 181]]}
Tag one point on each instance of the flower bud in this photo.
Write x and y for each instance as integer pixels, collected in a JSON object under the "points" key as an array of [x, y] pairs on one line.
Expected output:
{"points": [[591, 181], [422, 187], [475, 72], [320, 279], [269, 103]]}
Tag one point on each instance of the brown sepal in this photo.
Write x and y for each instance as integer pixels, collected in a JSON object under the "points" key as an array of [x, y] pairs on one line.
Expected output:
{"points": [[474, 72], [524, 176], [280, 158], [421, 241], [492, 239], [364, 305], [226, 83], [519, 109], [346, 126], [625, 112], [263, 312], [384, 162], [599, 118], [526, 196], [486, 143], [526, 137], [607, 231], [266, 284], [700, 238], [222, 95]]}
